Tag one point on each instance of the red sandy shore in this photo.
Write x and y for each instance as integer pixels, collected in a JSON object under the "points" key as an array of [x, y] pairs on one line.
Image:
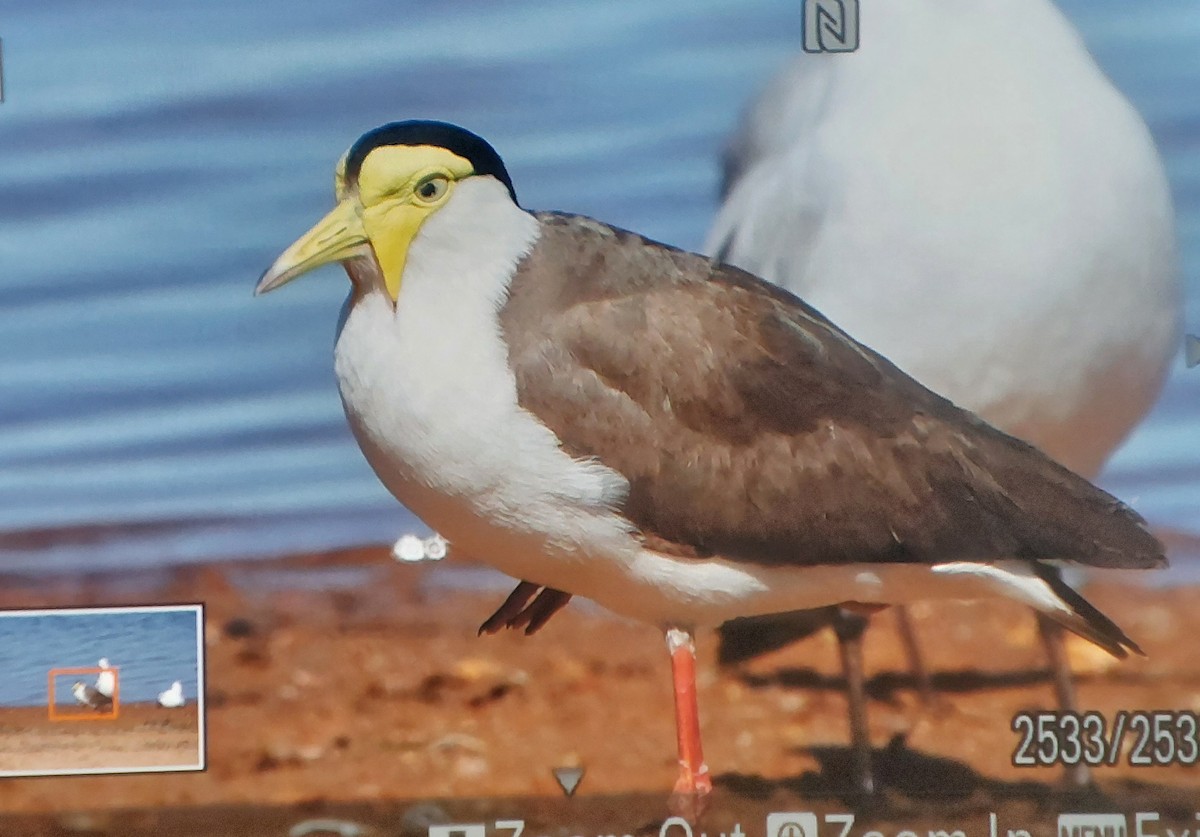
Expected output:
{"points": [[383, 692], [141, 735]]}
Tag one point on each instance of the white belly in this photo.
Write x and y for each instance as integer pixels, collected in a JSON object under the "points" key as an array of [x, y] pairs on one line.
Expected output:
{"points": [[430, 398], [437, 418]]}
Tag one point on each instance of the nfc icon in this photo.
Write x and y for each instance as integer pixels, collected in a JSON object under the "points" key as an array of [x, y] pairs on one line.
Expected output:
{"points": [[474, 829], [795, 824], [830, 25]]}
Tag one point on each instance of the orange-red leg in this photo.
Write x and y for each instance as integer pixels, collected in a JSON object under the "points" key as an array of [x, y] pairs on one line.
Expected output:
{"points": [[694, 783]]}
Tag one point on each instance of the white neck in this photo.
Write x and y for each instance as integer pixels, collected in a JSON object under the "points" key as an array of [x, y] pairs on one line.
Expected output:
{"points": [[469, 246], [433, 371]]}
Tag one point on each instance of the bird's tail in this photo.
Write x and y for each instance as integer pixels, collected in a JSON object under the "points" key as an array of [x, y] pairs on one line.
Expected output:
{"points": [[744, 638]]}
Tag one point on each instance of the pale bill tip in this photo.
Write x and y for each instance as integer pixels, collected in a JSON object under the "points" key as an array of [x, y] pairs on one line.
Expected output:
{"points": [[271, 279]]}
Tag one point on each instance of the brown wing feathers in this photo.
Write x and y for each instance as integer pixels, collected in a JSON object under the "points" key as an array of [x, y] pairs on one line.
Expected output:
{"points": [[750, 426]]}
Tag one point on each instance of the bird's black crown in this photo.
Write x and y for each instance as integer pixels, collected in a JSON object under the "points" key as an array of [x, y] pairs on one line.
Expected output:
{"points": [[460, 141]]}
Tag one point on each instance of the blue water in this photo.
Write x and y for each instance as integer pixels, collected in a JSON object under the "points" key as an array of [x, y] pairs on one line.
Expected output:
{"points": [[149, 650], [155, 157]]}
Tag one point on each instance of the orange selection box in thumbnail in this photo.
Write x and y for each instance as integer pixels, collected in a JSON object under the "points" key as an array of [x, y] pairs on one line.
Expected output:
{"points": [[98, 700]]}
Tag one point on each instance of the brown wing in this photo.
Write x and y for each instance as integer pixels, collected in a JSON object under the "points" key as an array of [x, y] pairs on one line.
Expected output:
{"points": [[751, 427]]}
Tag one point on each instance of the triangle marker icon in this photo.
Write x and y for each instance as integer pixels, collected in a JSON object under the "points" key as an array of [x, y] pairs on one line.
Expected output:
{"points": [[568, 778]]}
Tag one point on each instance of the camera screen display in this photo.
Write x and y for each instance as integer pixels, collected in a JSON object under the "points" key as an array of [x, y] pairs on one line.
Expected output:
{"points": [[556, 419]]}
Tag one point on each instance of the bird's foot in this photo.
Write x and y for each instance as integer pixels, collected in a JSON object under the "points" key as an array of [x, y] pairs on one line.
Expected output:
{"points": [[1077, 776], [519, 612], [548, 602], [862, 779], [692, 794], [511, 608]]}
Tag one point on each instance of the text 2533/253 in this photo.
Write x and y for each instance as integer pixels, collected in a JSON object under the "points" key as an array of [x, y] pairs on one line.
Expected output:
{"points": [[1144, 738]]}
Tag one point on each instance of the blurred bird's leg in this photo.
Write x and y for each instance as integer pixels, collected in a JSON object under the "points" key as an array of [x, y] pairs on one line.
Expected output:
{"points": [[849, 627], [916, 660], [1054, 640], [692, 789]]}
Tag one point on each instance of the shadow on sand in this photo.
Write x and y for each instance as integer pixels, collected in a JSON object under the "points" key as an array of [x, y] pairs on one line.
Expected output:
{"points": [[905, 776]]}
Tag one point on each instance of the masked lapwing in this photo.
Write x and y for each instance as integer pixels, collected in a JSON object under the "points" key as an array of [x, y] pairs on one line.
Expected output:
{"points": [[981, 205], [89, 696], [599, 414]]}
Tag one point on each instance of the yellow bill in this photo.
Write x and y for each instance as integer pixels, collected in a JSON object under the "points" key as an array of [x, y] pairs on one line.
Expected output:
{"points": [[335, 238]]}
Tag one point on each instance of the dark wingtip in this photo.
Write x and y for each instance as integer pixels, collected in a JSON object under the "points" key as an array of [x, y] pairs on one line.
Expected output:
{"points": [[1087, 621], [1131, 645]]}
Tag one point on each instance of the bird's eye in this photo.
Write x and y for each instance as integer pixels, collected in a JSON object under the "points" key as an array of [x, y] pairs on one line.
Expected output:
{"points": [[432, 188]]}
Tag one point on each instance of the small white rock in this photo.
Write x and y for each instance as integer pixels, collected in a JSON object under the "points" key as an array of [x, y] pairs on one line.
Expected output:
{"points": [[409, 548], [435, 547], [311, 752]]}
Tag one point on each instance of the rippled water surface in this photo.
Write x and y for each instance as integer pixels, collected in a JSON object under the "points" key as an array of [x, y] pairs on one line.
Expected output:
{"points": [[155, 157], [149, 650]]}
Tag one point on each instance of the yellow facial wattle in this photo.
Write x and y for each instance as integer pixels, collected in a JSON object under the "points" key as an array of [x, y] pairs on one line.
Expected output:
{"points": [[398, 187]]}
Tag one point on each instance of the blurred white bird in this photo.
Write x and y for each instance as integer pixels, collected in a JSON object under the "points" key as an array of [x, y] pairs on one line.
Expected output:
{"points": [[969, 195], [106, 681], [172, 698]]}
